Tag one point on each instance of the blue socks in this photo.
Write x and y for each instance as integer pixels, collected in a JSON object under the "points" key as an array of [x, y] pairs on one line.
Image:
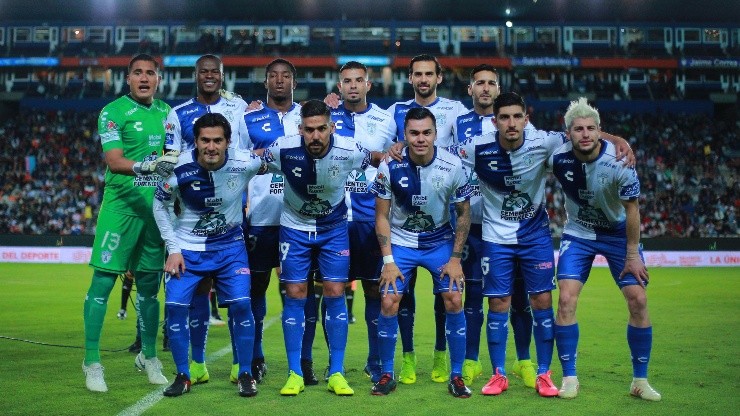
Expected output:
{"points": [[387, 335], [336, 331], [455, 327], [473, 318], [640, 341], [544, 319], [372, 311], [497, 331], [566, 338], [200, 313], [243, 333], [177, 330], [293, 322]]}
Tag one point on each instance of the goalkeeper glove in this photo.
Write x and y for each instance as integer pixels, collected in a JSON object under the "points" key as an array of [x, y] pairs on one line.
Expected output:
{"points": [[166, 163], [144, 168]]}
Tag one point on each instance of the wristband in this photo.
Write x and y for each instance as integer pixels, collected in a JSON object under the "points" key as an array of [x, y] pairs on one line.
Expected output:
{"points": [[456, 254], [388, 259]]}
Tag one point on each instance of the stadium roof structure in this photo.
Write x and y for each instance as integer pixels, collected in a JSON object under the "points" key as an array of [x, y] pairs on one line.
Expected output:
{"points": [[678, 11]]}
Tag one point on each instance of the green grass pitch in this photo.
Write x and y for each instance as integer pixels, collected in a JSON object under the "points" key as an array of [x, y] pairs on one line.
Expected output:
{"points": [[694, 360]]}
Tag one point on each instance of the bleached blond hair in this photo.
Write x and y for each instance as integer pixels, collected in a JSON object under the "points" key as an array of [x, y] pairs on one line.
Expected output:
{"points": [[581, 109]]}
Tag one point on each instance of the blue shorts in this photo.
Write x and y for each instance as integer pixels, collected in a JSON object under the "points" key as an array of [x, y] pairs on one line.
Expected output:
{"points": [[365, 260], [433, 259], [536, 261], [263, 247], [228, 268], [577, 257], [472, 253], [298, 249]]}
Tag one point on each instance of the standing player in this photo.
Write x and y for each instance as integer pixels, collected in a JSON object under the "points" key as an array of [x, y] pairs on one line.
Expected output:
{"points": [[374, 129], [315, 164], [601, 198], [210, 98], [425, 74], [510, 165], [206, 241], [132, 135], [279, 117], [413, 229], [484, 87]]}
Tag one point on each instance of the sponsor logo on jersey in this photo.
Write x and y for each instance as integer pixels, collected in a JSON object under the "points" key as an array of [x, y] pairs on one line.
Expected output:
{"points": [[442, 168], [418, 200], [111, 125], [585, 194], [315, 189], [517, 206], [630, 191], [210, 224], [418, 222], [513, 180], [132, 111], [316, 208], [339, 157], [213, 201], [186, 112], [295, 157], [242, 270], [465, 120], [592, 217], [260, 118], [188, 173]]}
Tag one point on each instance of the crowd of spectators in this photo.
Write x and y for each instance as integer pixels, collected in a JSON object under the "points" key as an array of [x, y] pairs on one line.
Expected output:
{"points": [[52, 172]]}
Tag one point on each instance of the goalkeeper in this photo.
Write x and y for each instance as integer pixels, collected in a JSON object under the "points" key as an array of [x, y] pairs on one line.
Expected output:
{"points": [[132, 133]]}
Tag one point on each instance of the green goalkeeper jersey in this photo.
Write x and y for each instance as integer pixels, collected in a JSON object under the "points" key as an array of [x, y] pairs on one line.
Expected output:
{"points": [[139, 131]]}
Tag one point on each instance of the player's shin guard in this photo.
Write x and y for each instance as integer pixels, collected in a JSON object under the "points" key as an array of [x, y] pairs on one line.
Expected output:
{"points": [[241, 313], [521, 320], [440, 343], [293, 322], [95, 306], [177, 330], [200, 312], [372, 310], [147, 287], [544, 319], [310, 311], [497, 332], [473, 318], [259, 311], [640, 341], [406, 312], [566, 338], [387, 335], [336, 330], [455, 325]]}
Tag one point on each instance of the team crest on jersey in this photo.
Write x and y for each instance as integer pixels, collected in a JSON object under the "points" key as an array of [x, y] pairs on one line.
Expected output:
{"points": [[371, 128], [231, 183], [106, 256], [315, 208], [418, 222], [517, 206], [333, 171], [228, 114], [528, 161], [602, 179], [210, 224], [441, 121], [437, 182]]}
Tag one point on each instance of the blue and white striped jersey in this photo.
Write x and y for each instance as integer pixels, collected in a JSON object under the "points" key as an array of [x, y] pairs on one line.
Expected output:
{"points": [[512, 184], [375, 130], [445, 112], [594, 192], [420, 197], [264, 126], [314, 195], [181, 119], [211, 202]]}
